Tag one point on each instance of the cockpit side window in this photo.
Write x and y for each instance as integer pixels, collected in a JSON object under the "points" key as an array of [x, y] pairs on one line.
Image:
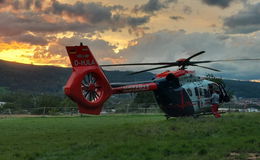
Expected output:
{"points": [[201, 93], [213, 87], [206, 93], [196, 91], [189, 92]]}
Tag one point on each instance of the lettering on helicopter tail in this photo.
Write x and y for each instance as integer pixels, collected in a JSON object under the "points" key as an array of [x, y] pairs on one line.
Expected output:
{"points": [[135, 88], [84, 62], [72, 51], [81, 56]]}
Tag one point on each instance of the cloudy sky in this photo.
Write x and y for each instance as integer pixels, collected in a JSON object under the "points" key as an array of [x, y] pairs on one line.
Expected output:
{"points": [[121, 31]]}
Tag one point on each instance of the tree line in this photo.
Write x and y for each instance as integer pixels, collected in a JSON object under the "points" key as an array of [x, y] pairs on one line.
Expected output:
{"points": [[31, 103]]}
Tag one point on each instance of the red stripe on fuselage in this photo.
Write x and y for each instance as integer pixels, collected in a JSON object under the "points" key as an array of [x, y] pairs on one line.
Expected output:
{"points": [[134, 88], [177, 73]]}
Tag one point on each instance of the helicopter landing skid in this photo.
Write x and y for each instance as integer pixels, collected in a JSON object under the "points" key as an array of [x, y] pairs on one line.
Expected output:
{"points": [[167, 116], [205, 113]]}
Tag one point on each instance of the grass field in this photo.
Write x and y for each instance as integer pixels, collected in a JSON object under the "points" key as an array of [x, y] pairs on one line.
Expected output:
{"points": [[135, 137]]}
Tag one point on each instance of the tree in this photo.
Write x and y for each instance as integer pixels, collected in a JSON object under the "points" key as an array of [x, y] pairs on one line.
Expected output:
{"points": [[212, 78], [143, 100]]}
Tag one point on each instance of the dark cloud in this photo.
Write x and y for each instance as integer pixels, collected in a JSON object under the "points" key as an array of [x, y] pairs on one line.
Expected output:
{"points": [[96, 18], [102, 51], [153, 5], [187, 10], [136, 21], [38, 4], [138, 31], [11, 25], [97, 15], [219, 3], [28, 4], [22, 4], [176, 18], [27, 38], [100, 48], [91, 12], [245, 21], [16, 4], [169, 46]]}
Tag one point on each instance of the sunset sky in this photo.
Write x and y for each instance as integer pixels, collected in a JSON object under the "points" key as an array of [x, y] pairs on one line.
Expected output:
{"points": [[122, 31]]}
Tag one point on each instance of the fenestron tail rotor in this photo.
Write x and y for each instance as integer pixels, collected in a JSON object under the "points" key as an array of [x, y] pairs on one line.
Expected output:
{"points": [[181, 63], [90, 87]]}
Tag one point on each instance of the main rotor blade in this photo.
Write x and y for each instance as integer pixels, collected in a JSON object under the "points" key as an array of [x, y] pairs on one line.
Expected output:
{"points": [[137, 64], [207, 68], [199, 53], [230, 60], [151, 69], [159, 63], [196, 62], [227, 60], [224, 60]]}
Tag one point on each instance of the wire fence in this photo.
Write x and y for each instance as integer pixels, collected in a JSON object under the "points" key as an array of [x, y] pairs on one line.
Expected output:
{"points": [[127, 108], [143, 108]]}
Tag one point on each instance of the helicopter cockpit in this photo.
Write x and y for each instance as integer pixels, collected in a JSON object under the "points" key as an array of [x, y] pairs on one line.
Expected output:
{"points": [[223, 96]]}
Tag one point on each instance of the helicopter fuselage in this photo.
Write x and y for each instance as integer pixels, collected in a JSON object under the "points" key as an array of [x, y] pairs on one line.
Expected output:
{"points": [[185, 95], [178, 93]]}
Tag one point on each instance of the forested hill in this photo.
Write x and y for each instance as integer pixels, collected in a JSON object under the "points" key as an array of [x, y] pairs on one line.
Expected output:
{"points": [[243, 89], [49, 79]]}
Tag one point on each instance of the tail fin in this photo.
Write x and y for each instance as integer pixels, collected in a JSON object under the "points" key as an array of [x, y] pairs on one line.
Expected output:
{"points": [[87, 85]]}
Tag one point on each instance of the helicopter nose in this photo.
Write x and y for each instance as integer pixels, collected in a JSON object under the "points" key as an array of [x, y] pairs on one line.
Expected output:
{"points": [[173, 101]]}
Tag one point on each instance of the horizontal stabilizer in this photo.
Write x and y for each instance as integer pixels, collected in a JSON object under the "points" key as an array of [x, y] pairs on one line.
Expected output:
{"points": [[95, 111]]}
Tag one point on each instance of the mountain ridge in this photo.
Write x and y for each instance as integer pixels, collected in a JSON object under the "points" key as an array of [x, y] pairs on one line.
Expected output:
{"points": [[51, 79]]}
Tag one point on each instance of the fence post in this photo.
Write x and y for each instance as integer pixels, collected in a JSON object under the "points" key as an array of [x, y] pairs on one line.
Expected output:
{"points": [[43, 110], [127, 107]]}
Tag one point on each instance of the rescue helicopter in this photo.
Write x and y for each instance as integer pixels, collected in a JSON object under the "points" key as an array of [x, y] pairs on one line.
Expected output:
{"points": [[178, 93]]}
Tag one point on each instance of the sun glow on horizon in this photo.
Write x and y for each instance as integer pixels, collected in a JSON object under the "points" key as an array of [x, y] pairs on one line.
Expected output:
{"points": [[32, 62], [255, 80], [16, 52], [24, 53]]}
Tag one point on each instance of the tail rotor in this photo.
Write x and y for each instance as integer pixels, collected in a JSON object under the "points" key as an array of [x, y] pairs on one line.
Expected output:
{"points": [[91, 88]]}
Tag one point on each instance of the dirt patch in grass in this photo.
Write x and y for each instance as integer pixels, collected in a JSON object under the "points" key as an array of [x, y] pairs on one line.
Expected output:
{"points": [[247, 156]]}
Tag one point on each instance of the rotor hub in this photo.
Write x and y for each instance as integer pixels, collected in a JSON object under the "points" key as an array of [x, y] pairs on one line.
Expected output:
{"points": [[91, 87]]}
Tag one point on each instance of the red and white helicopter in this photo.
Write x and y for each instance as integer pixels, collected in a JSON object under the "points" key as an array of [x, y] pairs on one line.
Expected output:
{"points": [[178, 93]]}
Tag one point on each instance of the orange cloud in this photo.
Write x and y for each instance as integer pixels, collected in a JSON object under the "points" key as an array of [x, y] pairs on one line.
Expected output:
{"points": [[14, 45], [114, 60]]}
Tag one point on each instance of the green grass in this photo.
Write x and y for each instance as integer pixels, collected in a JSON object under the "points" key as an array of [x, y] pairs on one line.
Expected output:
{"points": [[134, 137]]}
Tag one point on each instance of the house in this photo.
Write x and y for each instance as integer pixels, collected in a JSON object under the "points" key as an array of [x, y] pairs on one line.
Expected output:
{"points": [[2, 103]]}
